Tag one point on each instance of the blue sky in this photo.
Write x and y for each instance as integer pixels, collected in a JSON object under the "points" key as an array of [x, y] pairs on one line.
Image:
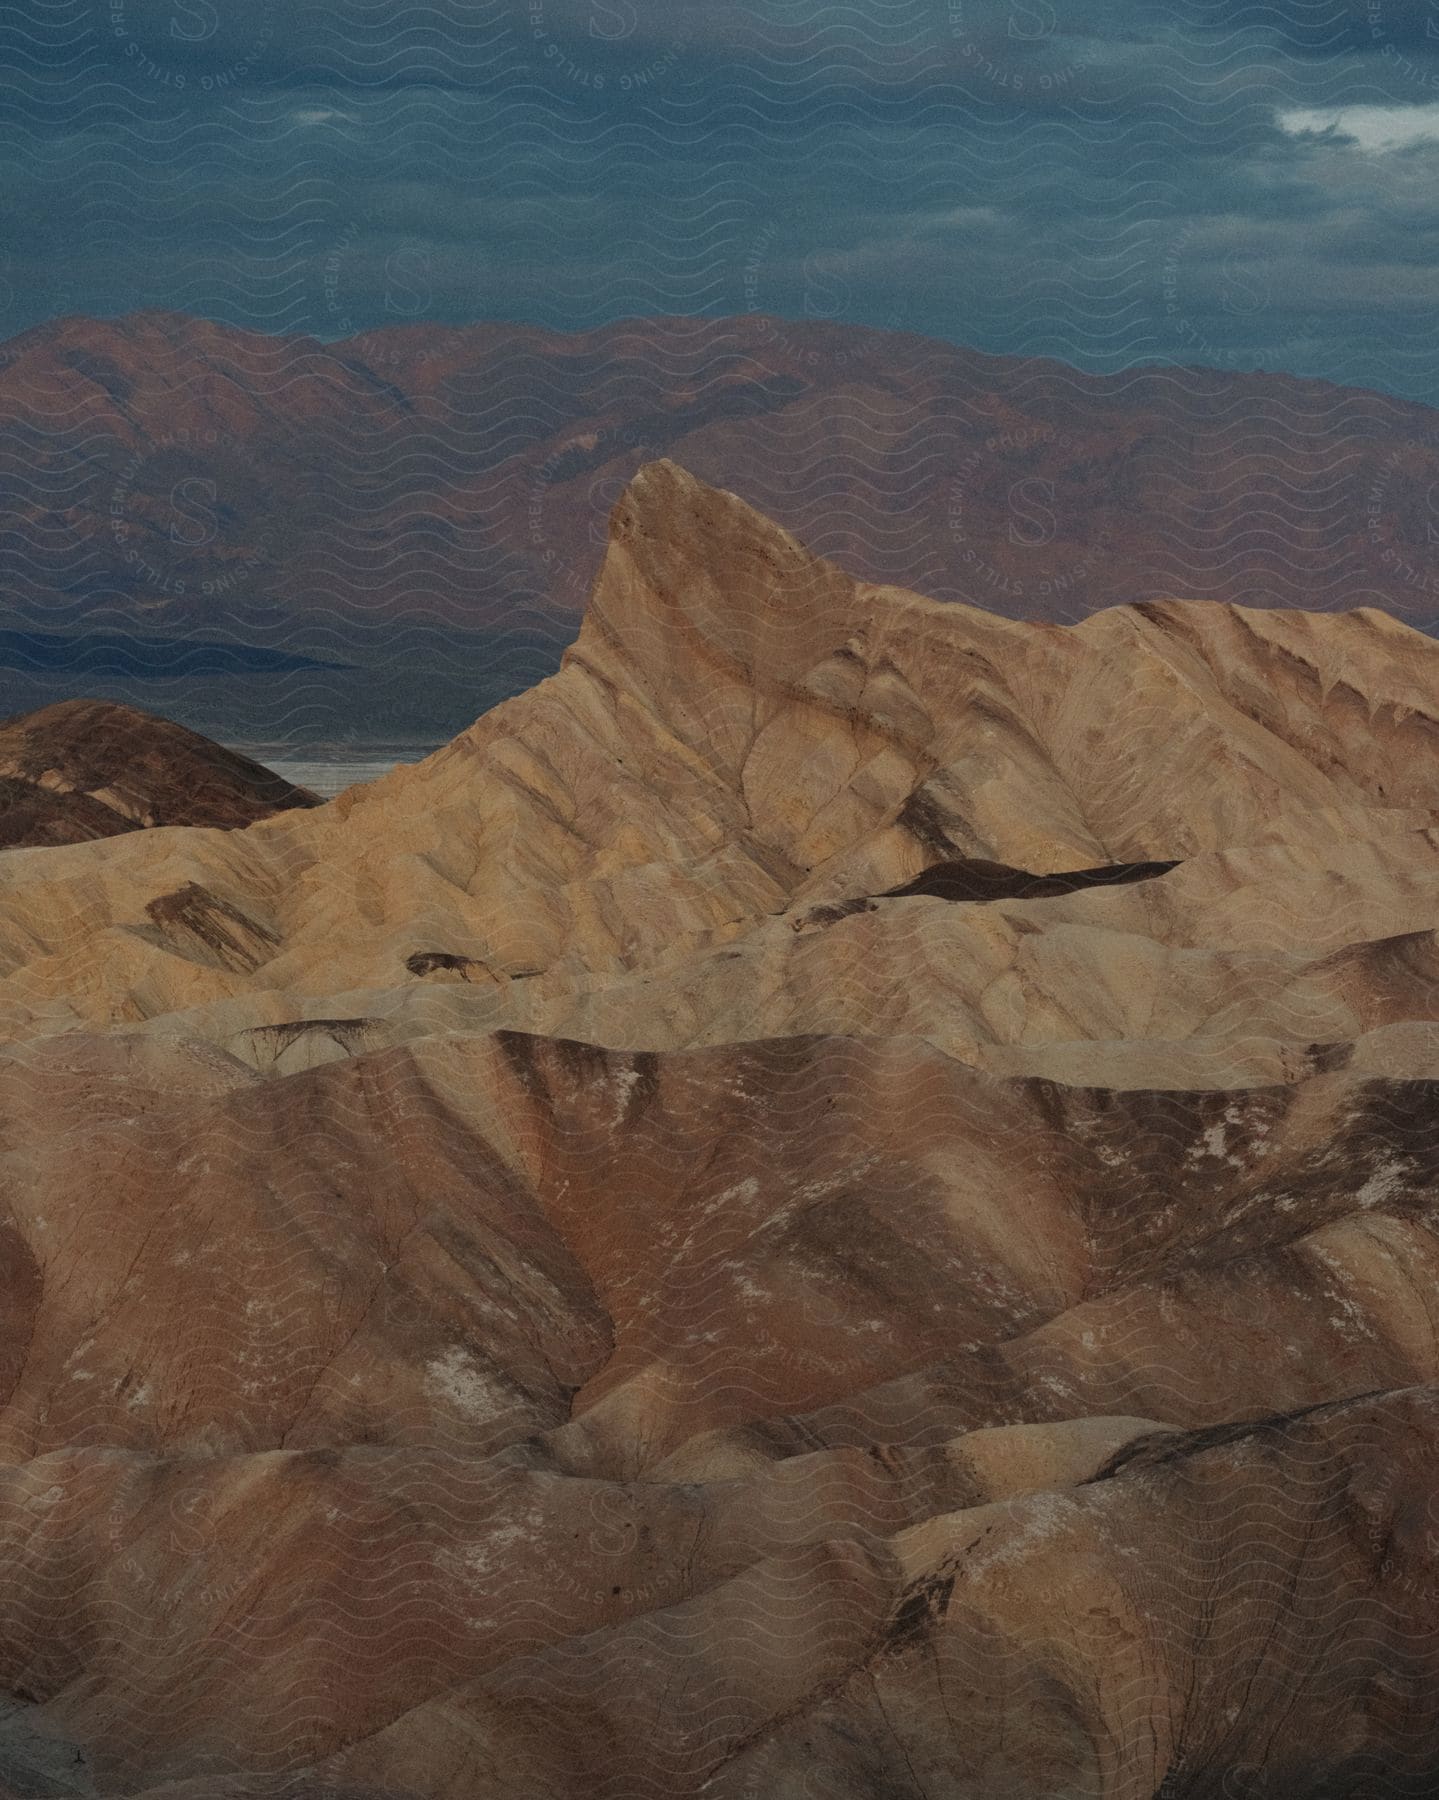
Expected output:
{"points": [[1235, 184]]}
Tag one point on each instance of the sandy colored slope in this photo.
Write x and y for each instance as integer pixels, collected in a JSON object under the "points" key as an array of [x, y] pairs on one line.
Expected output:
{"points": [[548, 1276], [1235, 967], [1241, 1607], [487, 1282], [739, 731], [1137, 1636]]}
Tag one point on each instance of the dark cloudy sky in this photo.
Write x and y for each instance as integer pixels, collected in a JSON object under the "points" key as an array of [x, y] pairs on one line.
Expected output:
{"points": [[1213, 181]]}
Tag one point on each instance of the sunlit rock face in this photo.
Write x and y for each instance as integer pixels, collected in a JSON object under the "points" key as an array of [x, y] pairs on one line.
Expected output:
{"points": [[837, 1201]]}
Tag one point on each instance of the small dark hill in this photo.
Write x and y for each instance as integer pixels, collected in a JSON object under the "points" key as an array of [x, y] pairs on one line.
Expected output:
{"points": [[91, 768]]}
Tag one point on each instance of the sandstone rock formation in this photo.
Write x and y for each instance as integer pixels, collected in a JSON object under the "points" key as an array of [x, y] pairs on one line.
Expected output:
{"points": [[838, 1201], [90, 768]]}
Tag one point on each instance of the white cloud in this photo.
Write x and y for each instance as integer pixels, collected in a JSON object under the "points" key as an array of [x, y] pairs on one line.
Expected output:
{"points": [[1372, 128], [319, 115]]}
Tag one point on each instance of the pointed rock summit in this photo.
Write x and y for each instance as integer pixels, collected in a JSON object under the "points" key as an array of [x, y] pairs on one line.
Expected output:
{"points": [[743, 731], [869, 725]]}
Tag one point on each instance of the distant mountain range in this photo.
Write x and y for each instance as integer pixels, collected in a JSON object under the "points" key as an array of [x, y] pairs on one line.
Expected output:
{"points": [[382, 537]]}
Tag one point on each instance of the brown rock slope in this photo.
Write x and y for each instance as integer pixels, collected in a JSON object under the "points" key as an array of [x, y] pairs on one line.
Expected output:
{"points": [[840, 1201], [86, 769]]}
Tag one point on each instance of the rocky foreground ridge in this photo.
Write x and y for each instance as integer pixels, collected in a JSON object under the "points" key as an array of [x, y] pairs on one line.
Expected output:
{"points": [[837, 1201]]}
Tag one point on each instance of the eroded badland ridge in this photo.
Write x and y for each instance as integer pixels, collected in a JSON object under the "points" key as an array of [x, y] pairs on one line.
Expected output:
{"points": [[838, 1200]]}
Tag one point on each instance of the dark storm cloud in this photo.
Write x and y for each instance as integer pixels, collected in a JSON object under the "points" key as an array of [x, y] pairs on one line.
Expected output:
{"points": [[1109, 183]]}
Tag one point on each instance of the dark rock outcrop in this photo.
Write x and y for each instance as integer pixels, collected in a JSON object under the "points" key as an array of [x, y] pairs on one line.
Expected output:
{"points": [[91, 768]]}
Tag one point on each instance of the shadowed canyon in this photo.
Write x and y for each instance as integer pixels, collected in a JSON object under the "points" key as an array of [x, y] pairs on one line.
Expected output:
{"points": [[837, 1202]]}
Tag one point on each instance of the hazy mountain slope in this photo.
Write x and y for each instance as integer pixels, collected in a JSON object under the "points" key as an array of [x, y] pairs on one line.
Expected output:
{"points": [[283, 537]]}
